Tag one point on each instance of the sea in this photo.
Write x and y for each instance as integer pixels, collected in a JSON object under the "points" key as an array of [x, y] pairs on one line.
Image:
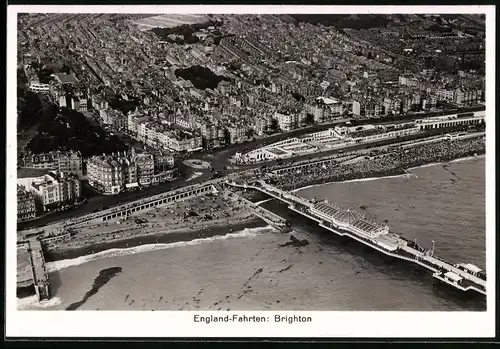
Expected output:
{"points": [[250, 269]]}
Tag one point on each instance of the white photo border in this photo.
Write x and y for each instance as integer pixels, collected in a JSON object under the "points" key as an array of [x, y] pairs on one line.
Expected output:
{"points": [[325, 324]]}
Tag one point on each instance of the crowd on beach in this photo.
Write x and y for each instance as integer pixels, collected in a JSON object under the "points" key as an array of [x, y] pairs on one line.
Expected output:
{"points": [[391, 161]]}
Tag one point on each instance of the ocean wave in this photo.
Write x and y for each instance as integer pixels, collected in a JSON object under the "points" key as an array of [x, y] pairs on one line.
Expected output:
{"points": [[263, 201], [469, 158], [116, 252], [32, 302]]}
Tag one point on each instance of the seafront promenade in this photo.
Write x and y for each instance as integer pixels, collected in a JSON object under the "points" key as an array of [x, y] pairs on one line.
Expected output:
{"points": [[219, 162]]}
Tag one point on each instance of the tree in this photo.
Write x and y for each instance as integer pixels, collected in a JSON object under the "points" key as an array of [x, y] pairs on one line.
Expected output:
{"points": [[250, 133], [274, 125], [310, 118], [204, 143], [227, 136]]}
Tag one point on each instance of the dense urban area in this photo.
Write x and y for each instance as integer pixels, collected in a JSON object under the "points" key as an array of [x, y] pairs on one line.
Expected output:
{"points": [[154, 129], [115, 105]]}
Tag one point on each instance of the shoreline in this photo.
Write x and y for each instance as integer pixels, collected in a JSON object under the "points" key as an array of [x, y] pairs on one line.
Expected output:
{"points": [[54, 256], [160, 237], [403, 173], [217, 228], [389, 173]]}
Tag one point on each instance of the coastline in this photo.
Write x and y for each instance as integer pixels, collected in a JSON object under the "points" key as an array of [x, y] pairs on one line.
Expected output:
{"points": [[164, 237], [61, 258], [216, 228], [402, 173], [388, 173], [178, 272]]}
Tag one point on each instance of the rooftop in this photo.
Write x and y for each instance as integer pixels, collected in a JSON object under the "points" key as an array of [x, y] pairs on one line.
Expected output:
{"points": [[64, 78], [366, 226], [453, 276], [22, 193], [30, 172], [472, 268]]}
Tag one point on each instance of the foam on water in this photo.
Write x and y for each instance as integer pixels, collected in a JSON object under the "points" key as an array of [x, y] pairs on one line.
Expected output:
{"points": [[468, 158], [261, 202], [405, 175], [115, 252], [32, 302]]}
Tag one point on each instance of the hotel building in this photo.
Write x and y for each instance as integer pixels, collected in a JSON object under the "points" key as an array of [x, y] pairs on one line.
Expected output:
{"points": [[26, 206]]}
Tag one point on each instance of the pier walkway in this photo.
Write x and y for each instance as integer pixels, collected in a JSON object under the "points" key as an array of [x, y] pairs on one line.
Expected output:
{"points": [[347, 223], [39, 270], [270, 217]]}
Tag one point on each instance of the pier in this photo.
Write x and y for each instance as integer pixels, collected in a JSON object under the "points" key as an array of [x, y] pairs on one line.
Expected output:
{"points": [[38, 269], [270, 217], [267, 216], [353, 225]]}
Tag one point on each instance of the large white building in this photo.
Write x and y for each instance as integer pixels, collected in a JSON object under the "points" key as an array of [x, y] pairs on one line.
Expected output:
{"points": [[52, 189], [349, 220], [39, 87], [287, 121], [337, 137], [451, 120]]}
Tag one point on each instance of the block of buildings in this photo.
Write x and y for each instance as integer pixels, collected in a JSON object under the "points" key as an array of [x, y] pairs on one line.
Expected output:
{"points": [[110, 174], [163, 161], [145, 169], [26, 207], [53, 189], [287, 121], [60, 161], [113, 173]]}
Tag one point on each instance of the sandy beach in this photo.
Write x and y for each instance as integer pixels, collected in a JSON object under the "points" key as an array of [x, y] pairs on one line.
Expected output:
{"points": [[195, 214], [202, 216]]}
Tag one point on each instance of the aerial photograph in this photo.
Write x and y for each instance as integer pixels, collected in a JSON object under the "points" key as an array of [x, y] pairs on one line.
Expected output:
{"points": [[251, 162]]}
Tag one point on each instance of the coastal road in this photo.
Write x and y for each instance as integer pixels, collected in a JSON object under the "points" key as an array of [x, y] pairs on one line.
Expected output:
{"points": [[219, 160]]}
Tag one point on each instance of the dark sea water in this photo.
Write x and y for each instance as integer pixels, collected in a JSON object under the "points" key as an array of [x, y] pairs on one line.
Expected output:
{"points": [[248, 270]]}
